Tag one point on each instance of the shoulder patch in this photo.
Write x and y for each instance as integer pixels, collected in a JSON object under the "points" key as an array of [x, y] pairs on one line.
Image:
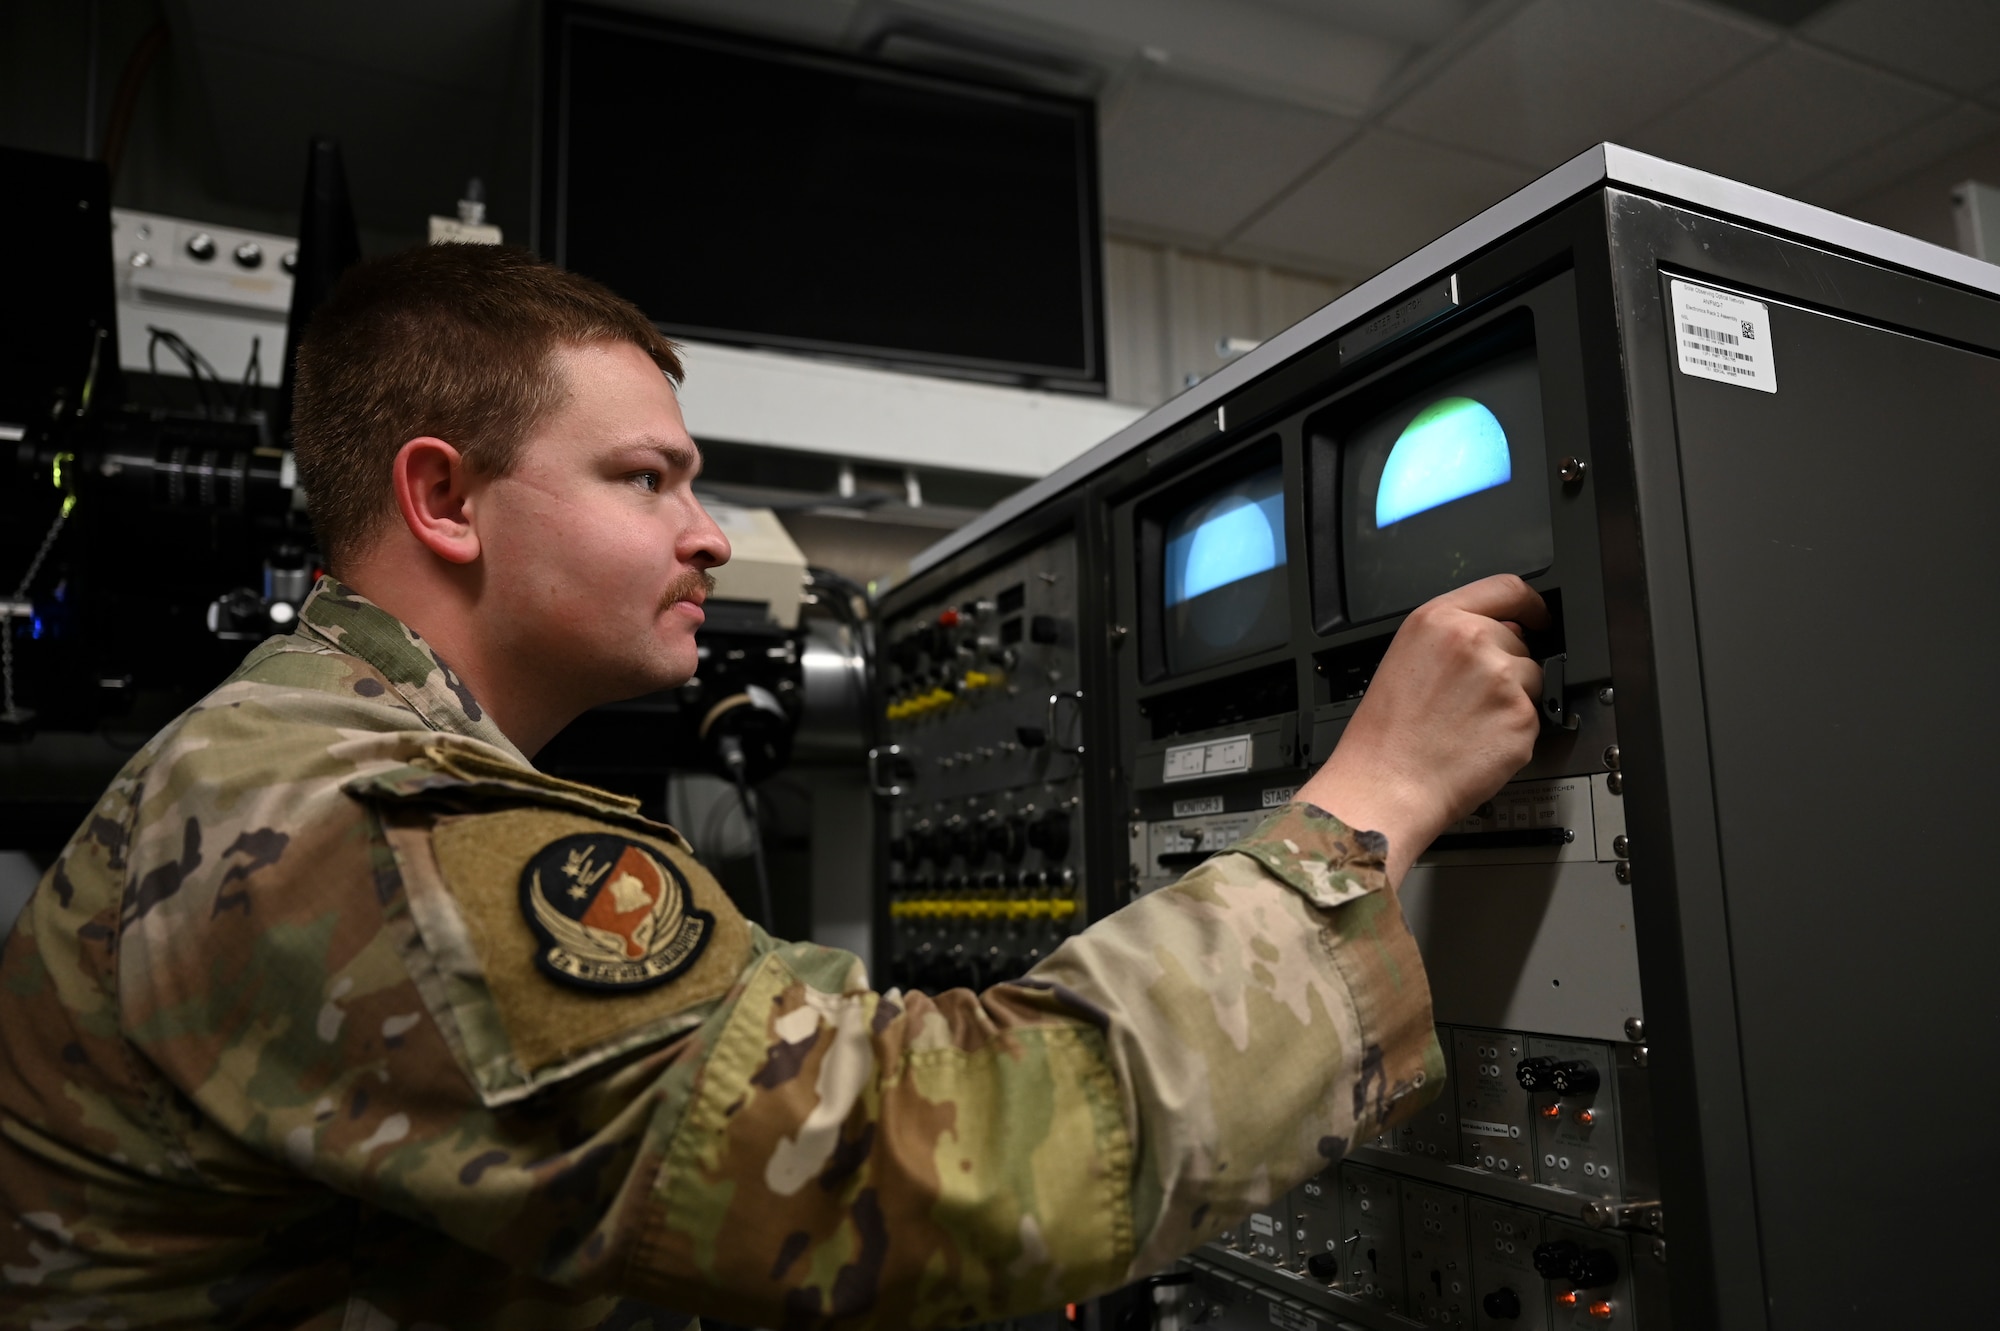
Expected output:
{"points": [[574, 979], [612, 912]]}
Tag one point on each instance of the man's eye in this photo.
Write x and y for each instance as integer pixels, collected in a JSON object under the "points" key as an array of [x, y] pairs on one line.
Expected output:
{"points": [[648, 480]]}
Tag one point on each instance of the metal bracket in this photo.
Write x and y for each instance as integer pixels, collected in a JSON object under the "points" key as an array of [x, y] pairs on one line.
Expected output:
{"points": [[1075, 696], [875, 757], [1555, 670], [1640, 1217]]}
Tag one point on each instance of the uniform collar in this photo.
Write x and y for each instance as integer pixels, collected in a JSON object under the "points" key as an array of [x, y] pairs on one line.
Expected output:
{"points": [[349, 622]]}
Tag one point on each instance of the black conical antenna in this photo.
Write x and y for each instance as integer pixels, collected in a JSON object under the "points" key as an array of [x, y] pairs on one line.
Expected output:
{"points": [[329, 244]]}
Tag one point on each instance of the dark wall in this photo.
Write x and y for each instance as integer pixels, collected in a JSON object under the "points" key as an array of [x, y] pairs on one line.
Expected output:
{"points": [[420, 96]]}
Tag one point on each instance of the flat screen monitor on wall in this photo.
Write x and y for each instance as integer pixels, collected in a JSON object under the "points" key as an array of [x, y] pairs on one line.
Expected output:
{"points": [[747, 192], [1448, 485]]}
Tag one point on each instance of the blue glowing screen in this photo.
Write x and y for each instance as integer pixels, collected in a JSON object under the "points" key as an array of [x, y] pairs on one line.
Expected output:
{"points": [[1454, 448], [1235, 536]]}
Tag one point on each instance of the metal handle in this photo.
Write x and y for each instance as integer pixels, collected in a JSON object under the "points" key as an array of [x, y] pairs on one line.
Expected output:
{"points": [[875, 757], [1075, 696]]}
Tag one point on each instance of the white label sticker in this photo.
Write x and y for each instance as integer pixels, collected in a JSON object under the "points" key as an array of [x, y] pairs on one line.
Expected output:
{"points": [[1185, 762], [1198, 806], [1278, 796], [1481, 1128], [1263, 1224], [1723, 337]]}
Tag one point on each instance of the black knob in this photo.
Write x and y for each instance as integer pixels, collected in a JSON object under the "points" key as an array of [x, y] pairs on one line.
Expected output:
{"points": [[1053, 834], [1502, 1305], [1324, 1266], [1533, 1073], [1015, 844], [1031, 737], [1044, 629], [250, 254], [1573, 1077], [201, 245], [1552, 1260], [1593, 1267]]}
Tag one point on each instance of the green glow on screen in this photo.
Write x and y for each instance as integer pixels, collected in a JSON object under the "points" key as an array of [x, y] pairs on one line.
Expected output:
{"points": [[1454, 448]]}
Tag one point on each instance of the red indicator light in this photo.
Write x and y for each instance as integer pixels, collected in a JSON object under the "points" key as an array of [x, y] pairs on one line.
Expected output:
{"points": [[1552, 1111], [1601, 1310], [1586, 1117], [1566, 1299], [948, 619]]}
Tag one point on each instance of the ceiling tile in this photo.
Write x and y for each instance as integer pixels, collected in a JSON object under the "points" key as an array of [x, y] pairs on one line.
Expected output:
{"points": [[1878, 167], [1788, 116], [1381, 197], [1564, 74], [1188, 160], [1955, 43]]}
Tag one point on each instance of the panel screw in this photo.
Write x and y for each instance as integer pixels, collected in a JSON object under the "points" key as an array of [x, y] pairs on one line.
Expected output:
{"points": [[1605, 695], [1660, 1251], [1118, 632], [1615, 783], [1571, 470], [1635, 1029], [1621, 846], [1611, 757], [1623, 872], [1642, 1056]]}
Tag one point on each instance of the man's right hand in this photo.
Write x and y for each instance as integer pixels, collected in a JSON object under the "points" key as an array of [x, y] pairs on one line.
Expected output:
{"points": [[1450, 715]]}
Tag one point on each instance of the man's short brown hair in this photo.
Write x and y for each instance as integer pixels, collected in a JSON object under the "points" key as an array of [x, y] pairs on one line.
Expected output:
{"points": [[453, 341]]}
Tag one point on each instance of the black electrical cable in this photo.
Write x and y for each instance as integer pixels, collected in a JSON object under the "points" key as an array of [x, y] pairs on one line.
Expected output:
{"points": [[208, 390], [732, 758]]}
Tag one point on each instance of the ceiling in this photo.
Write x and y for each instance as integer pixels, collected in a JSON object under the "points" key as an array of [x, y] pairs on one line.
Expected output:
{"points": [[1330, 136]]}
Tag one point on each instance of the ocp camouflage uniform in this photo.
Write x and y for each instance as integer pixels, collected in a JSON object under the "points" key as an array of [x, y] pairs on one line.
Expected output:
{"points": [[289, 1041]]}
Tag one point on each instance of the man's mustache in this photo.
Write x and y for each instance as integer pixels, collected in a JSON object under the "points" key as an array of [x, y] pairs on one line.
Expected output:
{"points": [[697, 584]]}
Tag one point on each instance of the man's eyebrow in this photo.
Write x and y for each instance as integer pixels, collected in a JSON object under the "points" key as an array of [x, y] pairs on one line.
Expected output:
{"points": [[679, 455]]}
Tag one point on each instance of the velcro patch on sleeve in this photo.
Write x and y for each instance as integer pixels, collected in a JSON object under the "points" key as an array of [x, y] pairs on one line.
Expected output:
{"points": [[586, 935]]}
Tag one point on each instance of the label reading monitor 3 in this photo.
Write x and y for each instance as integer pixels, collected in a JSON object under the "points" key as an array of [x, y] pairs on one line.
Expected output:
{"points": [[1724, 337]]}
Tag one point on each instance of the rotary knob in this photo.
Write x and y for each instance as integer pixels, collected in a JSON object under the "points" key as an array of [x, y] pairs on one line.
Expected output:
{"points": [[1573, 1077], [201, 246], [1534, 1074], [1552, 1260], [1502, 1305], [1592, 1268], [1323, 1266], [250, 255]]}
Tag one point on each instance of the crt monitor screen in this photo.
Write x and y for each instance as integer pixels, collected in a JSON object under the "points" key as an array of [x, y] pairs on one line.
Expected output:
{"points": [[1448, 486], [1223, 581]]}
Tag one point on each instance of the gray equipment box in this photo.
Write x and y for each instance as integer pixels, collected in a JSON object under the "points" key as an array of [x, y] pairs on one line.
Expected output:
{"points": [[1749, 451]]}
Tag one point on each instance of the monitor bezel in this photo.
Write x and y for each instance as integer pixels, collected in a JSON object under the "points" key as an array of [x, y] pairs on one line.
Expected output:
{"points": [[1151, 518], [1329, 431], [550, 237]]}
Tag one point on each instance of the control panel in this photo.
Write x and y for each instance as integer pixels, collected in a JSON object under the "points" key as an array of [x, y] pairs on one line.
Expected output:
{"points": [[1623, 943], [982, 770]]}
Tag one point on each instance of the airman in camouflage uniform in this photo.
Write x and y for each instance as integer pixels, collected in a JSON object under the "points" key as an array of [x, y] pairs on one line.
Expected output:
{"points": [[278, 1053], [337, 1013]]}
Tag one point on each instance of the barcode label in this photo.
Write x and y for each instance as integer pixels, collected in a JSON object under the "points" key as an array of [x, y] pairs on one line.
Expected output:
{"points": [[1722, 336]]}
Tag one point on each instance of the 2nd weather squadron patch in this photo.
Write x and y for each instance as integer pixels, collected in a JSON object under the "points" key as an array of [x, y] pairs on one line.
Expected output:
{"points": [[611, 913]]}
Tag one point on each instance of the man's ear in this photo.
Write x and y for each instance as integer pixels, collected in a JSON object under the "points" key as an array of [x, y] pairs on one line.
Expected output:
{"points": [[434, 491]]}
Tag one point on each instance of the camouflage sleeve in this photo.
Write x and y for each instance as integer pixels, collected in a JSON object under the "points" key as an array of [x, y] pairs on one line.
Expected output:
{"points": [[904, 1160], [425, 1005]]}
